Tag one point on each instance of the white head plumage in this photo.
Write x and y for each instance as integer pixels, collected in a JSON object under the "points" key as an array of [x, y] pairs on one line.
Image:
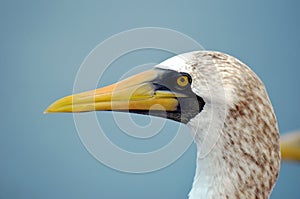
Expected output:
{"points": [[236, 132]]}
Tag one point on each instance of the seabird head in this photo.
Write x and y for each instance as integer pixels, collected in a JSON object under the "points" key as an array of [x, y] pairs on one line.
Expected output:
{"points": [[223, 102]]}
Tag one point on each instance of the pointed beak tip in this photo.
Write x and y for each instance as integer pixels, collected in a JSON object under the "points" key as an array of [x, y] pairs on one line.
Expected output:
{"points": [[48, 110], [60, 105], [52, 108]]}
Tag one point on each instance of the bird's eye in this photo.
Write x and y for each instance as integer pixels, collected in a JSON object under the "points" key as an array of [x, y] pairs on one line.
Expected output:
{"points": [[182, 81]]}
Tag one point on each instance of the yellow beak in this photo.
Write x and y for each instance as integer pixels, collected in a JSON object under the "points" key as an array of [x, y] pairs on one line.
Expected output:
{"points": [[135, 93]]}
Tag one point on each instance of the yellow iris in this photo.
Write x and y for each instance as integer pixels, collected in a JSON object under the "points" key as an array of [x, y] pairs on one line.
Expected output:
{"points": [[182, 81]]}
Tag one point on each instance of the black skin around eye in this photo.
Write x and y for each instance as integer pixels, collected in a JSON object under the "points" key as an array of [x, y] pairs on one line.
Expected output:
{"points": [[188, 106], [188, 76], [167, 80]]}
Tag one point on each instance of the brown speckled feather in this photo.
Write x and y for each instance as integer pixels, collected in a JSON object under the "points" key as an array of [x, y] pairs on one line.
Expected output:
{"points": [[244, 159]]}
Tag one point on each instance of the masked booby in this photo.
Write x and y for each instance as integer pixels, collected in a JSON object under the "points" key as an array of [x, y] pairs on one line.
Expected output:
{"points": [[217, 96]]}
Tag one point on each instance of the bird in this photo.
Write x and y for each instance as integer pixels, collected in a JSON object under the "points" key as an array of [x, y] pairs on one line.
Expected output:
{"points": [[224, 104]]}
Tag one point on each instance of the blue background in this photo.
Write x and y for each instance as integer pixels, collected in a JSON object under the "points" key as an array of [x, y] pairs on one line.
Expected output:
{"points": [[43, 43]]}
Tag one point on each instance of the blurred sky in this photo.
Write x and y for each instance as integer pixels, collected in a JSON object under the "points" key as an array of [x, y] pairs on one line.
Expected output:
{"points": [[42, 45]]}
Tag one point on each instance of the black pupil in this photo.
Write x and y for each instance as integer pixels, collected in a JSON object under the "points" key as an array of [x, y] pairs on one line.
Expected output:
{"points": [[182, 79]]}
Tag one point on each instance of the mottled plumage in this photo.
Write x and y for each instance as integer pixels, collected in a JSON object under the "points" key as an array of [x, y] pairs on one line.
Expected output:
{"points": [[245, 160]]}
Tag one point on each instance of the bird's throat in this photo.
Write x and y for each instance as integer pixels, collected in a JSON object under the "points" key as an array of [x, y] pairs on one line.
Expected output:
{"points": [[209, 176]]}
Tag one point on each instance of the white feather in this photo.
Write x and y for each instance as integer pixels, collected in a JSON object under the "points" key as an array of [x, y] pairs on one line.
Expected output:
{"points": [[226, 84]]}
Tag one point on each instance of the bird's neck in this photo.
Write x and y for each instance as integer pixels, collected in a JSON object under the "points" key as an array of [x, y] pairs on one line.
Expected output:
{"points": [[213, 178], [236, 158], [209, 180]]}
